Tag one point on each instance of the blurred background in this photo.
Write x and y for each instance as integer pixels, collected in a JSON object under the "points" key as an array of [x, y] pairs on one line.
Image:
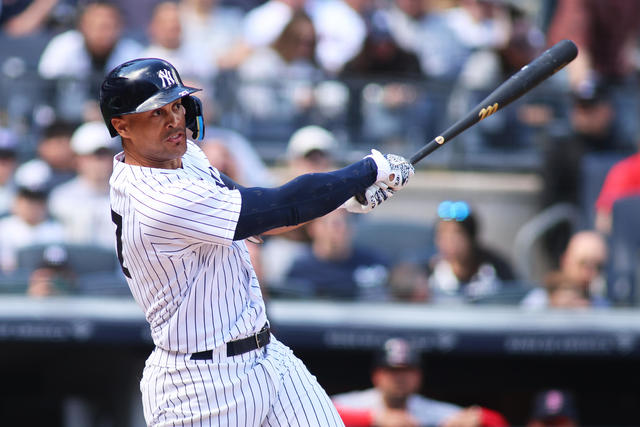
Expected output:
{"points": [[510, 263]]}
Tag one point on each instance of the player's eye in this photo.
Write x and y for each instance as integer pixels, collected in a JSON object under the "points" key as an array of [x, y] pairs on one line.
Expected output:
{"points": [[156, 112]]}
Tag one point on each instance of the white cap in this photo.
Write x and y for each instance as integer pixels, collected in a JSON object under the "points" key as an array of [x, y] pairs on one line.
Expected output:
{"points": [[91, 136], [33, 176], [311, 138]]}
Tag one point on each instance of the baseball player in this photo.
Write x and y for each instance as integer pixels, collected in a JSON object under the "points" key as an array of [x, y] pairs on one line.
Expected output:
{"points": [[180, 227]]}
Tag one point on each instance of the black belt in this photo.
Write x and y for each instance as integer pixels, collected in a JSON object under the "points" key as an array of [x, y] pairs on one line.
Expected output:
{"points": [[255, 341]]}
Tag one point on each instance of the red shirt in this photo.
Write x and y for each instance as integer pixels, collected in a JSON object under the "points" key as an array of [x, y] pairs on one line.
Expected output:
{"points": [[622, 180]]}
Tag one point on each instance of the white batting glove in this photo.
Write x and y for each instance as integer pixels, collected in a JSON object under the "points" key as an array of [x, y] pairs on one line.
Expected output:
{"points": [[393, 170], [375, 194]]}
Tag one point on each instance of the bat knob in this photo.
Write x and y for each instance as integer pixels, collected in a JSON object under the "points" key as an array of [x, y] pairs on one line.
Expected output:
{"points": [[361, 199]]}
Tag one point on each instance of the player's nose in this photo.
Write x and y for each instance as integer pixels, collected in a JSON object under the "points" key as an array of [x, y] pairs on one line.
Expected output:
{"points": [[174, 117]]}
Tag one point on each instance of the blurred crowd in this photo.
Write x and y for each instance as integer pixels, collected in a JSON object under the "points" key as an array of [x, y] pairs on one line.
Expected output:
{"points": [[309, 85]]}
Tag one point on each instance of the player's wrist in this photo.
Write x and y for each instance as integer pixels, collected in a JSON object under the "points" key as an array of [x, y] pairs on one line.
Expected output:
{"points": [[383, 168]]}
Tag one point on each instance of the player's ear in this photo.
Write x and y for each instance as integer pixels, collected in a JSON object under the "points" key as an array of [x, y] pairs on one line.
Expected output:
{"points": [[121, 126]]}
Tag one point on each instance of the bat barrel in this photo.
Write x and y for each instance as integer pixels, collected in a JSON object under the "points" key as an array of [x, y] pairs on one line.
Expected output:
{"points": [[529, 76]]}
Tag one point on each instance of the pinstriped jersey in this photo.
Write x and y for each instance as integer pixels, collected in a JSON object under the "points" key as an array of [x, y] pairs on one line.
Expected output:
{"points": [[174, 235]]}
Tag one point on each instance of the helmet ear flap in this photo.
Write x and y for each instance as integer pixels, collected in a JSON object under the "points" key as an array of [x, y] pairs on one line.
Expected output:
{"points": [[193, 116]]}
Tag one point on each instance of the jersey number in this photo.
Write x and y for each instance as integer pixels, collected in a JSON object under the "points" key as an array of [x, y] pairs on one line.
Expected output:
{"points": [[117, 220]]}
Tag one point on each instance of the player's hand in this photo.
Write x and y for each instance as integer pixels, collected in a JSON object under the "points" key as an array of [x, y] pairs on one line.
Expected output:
{"points": [[394, 418], [468, 417], [393, 170], [375, 194]]}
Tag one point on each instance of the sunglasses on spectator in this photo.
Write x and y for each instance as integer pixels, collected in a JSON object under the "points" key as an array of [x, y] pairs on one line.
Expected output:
{"points": [[453, 210]]}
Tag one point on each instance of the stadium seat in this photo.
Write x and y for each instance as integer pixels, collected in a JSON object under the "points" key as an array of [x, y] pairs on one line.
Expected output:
{"points": [[624, 258], [96, 268], [402, 240]]}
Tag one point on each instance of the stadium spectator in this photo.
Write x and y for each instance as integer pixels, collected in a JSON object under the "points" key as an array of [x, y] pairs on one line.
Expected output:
{"points": [[310, 149], [79, 58], [454, 33], [8, 163], [260, 27], [29, 223], [265, 23], [591, 130], [384, 67], [167, 42], [91, 224], [463, 268], [290, 56], [54, 150], [623, 179], [54, 275], [380, 55], [278, 79], [554, 408], [136, 16], [210, 28], [409, 283], [394, 400], [22, 18], [336, 268], [404, 18], [606, 34], [579, 281], [341, 28]]}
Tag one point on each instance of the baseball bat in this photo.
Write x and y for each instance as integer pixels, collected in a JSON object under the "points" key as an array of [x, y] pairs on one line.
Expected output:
{"points": [[544, 66], [525, 79]]}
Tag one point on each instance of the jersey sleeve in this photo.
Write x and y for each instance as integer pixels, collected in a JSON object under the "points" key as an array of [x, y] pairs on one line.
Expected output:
{"points": [[177, 212]]}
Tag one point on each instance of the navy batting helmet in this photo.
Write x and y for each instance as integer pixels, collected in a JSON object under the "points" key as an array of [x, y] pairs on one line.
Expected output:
{"points": [[146, 84]]}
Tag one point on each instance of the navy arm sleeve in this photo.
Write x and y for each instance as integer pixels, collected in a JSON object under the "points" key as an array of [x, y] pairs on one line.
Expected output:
{"points": [[306, 197]]}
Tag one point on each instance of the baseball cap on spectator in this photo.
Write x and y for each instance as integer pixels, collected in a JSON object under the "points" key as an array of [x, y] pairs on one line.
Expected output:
{"points": [[55, 256], [93, 137], [397, 353], [32, 179], [551, 404], [8, 144], [590, 92], [312, 138]]}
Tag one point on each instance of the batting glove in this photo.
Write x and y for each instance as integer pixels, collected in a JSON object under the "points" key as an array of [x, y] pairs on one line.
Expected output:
{"points": [[393, 170], [375, 194]]}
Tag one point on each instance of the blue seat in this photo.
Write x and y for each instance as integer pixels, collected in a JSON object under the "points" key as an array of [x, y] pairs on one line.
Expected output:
{"points": [[396, 240], [96, 268], [27, 48], [623, 274]]}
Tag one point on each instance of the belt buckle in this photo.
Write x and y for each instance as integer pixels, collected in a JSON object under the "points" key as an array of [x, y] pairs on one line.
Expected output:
{"points": [[257, 339]]}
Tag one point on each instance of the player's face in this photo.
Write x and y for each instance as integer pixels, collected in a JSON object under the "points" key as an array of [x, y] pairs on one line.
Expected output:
{"points": [[396, 384], [155, 138]]}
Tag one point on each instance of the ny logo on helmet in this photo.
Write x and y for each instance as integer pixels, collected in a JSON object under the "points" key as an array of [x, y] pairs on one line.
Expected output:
{"points": [[167, 78]]}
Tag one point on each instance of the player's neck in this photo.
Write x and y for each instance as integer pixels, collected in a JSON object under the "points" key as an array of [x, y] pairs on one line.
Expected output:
{"points": [[133, 160]]}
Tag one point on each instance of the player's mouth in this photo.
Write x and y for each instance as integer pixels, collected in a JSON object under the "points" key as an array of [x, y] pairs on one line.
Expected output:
{"points": [[176, 138]]}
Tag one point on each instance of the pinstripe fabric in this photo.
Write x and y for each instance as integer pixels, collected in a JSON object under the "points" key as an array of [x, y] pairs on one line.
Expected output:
{"points": [[195, 284], [266, 387], [199, 291]]}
